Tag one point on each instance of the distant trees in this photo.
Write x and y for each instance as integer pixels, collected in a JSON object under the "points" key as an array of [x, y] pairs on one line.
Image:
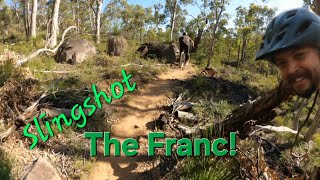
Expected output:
{"points": [[160, 21], [134, 20], [158, 17], [251, 23]]}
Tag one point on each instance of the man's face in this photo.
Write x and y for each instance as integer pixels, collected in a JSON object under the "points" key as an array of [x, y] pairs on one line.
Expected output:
{"points": [[301, 68]]}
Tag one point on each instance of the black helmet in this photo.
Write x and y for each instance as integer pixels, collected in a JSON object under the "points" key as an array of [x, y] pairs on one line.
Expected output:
{"points": [[184, 33], [291, 28]]}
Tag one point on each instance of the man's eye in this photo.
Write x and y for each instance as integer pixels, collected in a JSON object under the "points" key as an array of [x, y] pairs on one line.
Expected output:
{"points": [[299, 56], [281, 64]]}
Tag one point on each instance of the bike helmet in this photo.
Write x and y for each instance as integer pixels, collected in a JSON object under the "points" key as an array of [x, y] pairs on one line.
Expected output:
{"points": [[289, 29], [184, 33]]}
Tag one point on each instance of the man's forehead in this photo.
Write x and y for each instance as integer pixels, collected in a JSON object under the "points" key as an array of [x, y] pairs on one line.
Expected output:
{"points": [[286, 52]]}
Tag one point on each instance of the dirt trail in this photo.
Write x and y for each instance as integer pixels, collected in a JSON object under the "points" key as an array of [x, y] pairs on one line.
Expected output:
{"points": [[140, 108]]}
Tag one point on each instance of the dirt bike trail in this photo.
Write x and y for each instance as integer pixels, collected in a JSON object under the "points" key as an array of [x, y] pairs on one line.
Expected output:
{"points": [[134, 114]]}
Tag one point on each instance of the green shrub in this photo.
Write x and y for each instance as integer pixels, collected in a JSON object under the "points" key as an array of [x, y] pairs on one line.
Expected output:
{"points": [[208, 168], [7, 71], [5, 166]]}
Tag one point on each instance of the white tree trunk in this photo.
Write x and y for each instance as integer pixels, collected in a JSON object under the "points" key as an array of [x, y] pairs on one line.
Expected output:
{"points": [[54, 26], [34, 19], [78, 16], [173, 19], [98, 20]]}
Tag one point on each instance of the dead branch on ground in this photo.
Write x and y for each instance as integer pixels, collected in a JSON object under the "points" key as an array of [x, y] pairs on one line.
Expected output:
{"points": [[36, 53]]}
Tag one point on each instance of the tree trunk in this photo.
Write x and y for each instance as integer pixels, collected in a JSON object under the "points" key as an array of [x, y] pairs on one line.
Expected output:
{"points": [[244, 47], [239, 50], [140, 34], [197, 40], [212, 45], [258, 109], [229, 52], [217, 14], [98, 20], [74, 12], [34, 19], [78, 17], [173, 19], [26, 20], [54, 26]]}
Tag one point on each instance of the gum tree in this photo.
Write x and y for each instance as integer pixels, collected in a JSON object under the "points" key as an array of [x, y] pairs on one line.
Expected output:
{"points": [[34, 18], [54, 25], [217, 7], [171, 9]]}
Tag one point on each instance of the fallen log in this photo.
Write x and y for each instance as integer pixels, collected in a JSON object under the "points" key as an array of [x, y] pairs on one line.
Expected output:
{"points": [[269, 128], [251, 110], [239, 118], [56, 72]]}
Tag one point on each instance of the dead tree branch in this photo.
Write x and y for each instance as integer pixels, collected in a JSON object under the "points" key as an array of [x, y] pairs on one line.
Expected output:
{"points": [[240, 117], [36, 53], [269, 128], [253, 109]]}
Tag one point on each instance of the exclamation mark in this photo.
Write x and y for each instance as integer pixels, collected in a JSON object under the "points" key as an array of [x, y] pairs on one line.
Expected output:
{"points": [[232, 143]]}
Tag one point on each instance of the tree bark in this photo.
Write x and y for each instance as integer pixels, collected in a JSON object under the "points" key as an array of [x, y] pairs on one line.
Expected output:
{"points": [[173, 19], [244, 47], [252, 110], [197, 39], [54, 26], [98, 20], [239, 48], [211, 54], [78, 17], [229, 52], [34, 19], [26, 20]]}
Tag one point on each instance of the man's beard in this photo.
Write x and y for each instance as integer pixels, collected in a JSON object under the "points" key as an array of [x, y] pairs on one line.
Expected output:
{"points": [[313, 83], [306, 93]]}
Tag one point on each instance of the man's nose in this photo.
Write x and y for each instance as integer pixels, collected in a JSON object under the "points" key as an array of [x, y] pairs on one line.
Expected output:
{"points": [[292, 68]]}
